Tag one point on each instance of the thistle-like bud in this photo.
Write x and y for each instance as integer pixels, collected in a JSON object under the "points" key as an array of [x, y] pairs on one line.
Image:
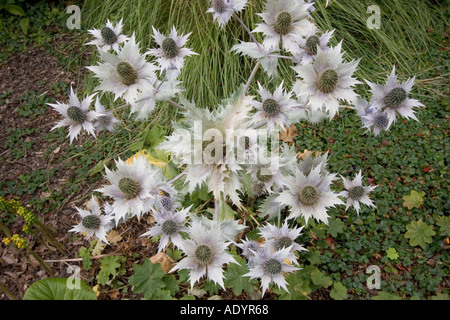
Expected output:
{"points": [[126, 73], [108, 35], [283, 23], [308, 196], [328, 81], [76, 114], [395, 98], [129, 188]]}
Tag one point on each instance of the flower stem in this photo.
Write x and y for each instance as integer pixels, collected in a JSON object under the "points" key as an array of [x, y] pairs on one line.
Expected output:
{"points": [[258, 125], [216, 210], [250, 79], [246, 29], [177, 178], [176, 105]]}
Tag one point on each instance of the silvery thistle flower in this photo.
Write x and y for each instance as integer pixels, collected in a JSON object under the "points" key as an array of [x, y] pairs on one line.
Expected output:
{"points": [[249, 247], [274, 108], [309, 162], [327, 80], [372, 119], [165, 197], [106, 119], [109, 37], [283, 237], [171, 52], [93, 223], [205, 254], [130, 187], [309, 196], [269, 207], [356, 193], [168, 226], [394, 98], [264, 54], [76, 115], [229, 229], [126, 73], [310, 42], [147, 98], [285, 21], [269, 265], [224, 9]]}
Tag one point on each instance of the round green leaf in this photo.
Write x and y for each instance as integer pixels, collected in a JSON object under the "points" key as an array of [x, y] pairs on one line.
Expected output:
{"points": [[59, 289]]}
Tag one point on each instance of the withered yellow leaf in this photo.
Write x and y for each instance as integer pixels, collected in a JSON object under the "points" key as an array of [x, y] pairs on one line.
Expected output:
{"points": [[113, 237], [167, 263], [289, 133]]}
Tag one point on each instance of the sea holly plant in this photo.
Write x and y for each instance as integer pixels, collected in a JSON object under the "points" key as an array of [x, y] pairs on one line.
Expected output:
{"points": [[232, 153]]}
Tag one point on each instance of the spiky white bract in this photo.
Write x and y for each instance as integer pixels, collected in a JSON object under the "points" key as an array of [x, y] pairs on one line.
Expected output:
{"points": [[269, 265], [223, 9], [126, 73], [76, 115], [373, 119], [171, 52], [205, 254], [274, 107], [130, 186], [310, 195], [283, 237], [249, 247], [106, 119], [229, 229], [285, 21], [93, 223], [393, 98], [356, 193], [327, 81], [168, 226], [309, 43], [109, 37], [264, 54]]}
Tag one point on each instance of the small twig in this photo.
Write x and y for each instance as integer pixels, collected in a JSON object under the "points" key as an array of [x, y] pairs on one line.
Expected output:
{"points": [[81, 259]]}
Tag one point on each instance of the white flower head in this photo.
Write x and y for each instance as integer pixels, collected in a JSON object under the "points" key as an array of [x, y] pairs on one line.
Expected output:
{"points": [[356, 193], [310, 42], [76, 115], [168, 226], [274, 108], [283, 237], [309, 196], [249, 247], [171, 52], [393, 98], [223, 9], [205, 254], [109, 37], [130, 187], [93, 223], [327, 80], [269, 265], [126, 73], [285, 21], [106, 119]]}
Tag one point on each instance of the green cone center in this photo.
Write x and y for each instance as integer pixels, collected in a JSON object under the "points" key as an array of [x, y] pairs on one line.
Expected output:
{"points": [[204, 254], [76, 114], [272, 267], [283, 23], [381, 120], [218, 6], [283, 242], [108, 35], [328, 81], [271, 107], [91, 222], [395, 98], [311, 45], [308, 196], [129, 188], [170, 48], [126, 73], [169, 227], [356, 192]]}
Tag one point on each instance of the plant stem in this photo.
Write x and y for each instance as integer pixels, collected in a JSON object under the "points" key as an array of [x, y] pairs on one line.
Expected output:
{"points": [[176, 105], [177, 178], [250, 79], [246, 29], [41, 262], [216, 210], [258, 125]]}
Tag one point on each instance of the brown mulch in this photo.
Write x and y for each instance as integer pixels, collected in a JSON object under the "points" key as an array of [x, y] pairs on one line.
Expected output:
{"points": [[37, 70]]}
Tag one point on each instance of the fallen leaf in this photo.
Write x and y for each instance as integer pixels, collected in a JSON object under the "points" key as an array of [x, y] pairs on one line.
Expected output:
{"points": [[289, 133], [167, 263], [413, 200], [302, 155], [113, 237]]}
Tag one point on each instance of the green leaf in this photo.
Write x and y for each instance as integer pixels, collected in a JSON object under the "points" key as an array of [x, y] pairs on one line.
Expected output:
{"points": [[413, 200], [339, 291], [441, 296], [318, 278], [444, 224], [419, 233], [171, 284], [386, 296], [147, 278], [15, 10], [85, 254], [109, 266], [58, 289], [299, 288], [24, 24], [225, 211], [234, 277], [99, 166], [392, 254], [335, 227]]}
